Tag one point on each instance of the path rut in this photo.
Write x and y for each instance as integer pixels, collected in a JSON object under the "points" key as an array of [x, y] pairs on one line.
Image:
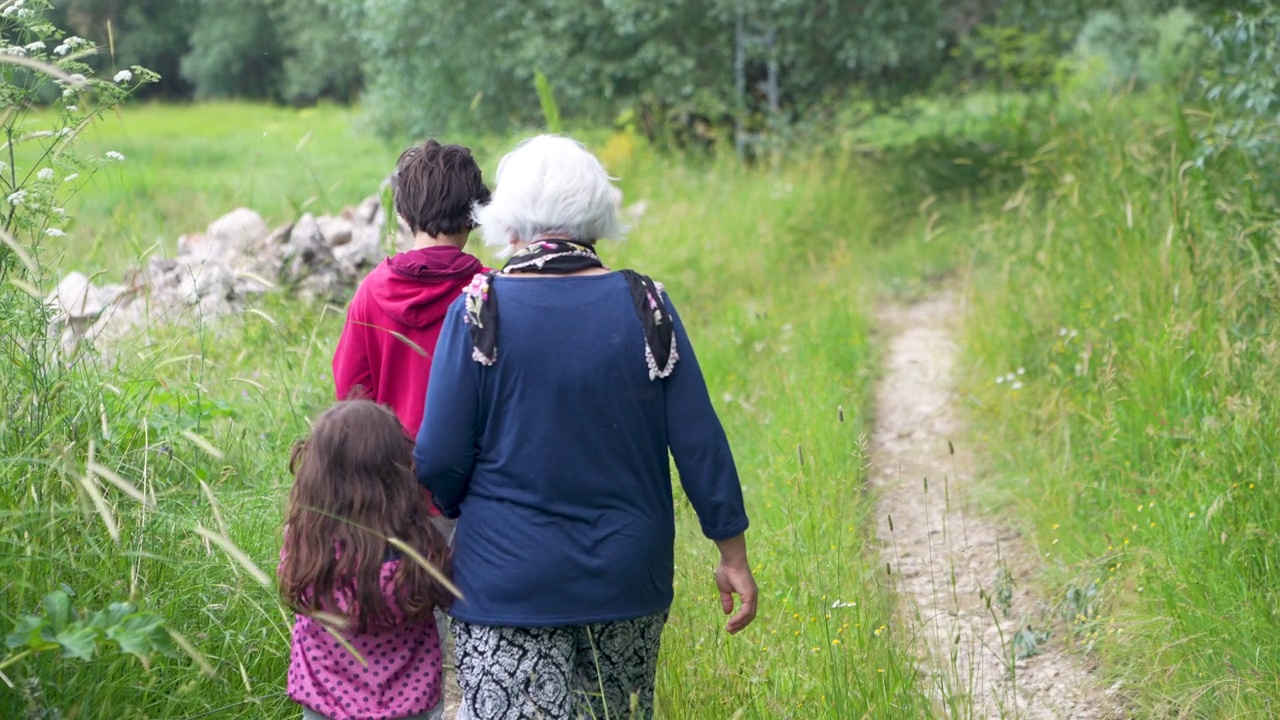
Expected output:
{"points": [[947, 560]]}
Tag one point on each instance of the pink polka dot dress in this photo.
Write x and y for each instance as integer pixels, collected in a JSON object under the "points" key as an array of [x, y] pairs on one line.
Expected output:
{"points": [[403, 674]]}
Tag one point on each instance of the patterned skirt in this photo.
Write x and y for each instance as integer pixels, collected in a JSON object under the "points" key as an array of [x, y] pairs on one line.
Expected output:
{"points": [[598, 671]]}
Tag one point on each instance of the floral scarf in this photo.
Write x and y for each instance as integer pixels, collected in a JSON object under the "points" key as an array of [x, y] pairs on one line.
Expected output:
{"points": [[559, 257]]}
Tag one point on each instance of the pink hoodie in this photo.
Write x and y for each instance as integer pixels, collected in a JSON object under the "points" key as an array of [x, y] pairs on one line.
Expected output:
{"points": [[392, 326]]}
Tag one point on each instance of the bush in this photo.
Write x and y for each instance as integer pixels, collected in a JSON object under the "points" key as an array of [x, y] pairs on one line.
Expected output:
{"points": [[1241, 86]]}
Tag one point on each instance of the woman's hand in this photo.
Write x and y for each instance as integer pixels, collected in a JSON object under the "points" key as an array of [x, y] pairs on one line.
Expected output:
{"points": [[733, 576]]}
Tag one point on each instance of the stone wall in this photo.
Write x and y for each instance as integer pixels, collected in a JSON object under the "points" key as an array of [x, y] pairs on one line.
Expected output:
{"points": [[215, 272]]}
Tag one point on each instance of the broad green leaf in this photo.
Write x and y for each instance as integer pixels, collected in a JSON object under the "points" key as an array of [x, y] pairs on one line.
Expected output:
{"points": [[57, 610], [78, 641], [27, 634], [111, 616], [162, 642], [135, 634]]}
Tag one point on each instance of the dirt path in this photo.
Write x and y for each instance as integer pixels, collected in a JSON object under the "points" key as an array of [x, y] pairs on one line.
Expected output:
{"points": [[957, 572]]}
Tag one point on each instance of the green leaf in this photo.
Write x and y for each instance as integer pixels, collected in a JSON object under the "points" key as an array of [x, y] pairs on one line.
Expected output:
{"points": [[78, 641], [110, 617], [27, 633], [162, 642], [136, 634], [57, 611], [550, 108]]}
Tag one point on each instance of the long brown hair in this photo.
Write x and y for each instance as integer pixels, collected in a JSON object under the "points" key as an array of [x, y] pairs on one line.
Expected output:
{"points": [[353, 490]]}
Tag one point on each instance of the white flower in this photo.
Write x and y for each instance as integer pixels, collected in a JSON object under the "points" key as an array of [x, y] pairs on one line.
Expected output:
{"points": [[76, 41], [37, 45], [123, 76], [45, 174], [72, 108], [1022, 371], [62, 49], [17, 198], [68, 92], [54, 232], [1015, 386], [60, 212], [999, 379], [9, 11], [70, 177], [17, 50], [78, 78], [113, 156]]}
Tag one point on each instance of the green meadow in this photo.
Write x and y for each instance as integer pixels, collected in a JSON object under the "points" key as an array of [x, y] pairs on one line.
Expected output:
{"points": [[1136, 289]]}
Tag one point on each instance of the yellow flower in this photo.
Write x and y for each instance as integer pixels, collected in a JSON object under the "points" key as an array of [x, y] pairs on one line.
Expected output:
{"points": [[1191, 514], [836, 641]]}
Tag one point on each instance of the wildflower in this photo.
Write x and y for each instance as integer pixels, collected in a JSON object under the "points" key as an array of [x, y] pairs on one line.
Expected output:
{"points": [[999, 379], [1017, 385], [880, 630], [1022, 371], [78, 78], [71, 177], [1191, 514], [37, 45], [45, 174], [60, 212], [17, 50], [72, 108], [123, 76], [113, 156], [62, 49], [17, 198], [54, 232], [836, 641]]}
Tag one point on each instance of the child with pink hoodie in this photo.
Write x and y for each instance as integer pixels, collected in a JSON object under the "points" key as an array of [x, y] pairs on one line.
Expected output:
{"points": [[395, 317]]}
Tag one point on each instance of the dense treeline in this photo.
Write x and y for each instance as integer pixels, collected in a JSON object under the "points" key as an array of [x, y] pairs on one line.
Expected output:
{"points": [[426, 64]]}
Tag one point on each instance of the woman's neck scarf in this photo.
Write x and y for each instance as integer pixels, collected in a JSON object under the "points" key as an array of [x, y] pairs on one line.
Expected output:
{"points": [[561, 257]]}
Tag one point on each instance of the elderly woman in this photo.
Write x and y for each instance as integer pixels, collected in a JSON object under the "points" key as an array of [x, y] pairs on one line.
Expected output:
{"points": [[557, 389]]}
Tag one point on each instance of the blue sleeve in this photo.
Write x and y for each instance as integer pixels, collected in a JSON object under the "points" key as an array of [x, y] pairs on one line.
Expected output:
{"points": [[445, 452], [699, 446]]}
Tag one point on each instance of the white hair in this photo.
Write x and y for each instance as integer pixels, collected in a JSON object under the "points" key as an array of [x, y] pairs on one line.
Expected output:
{"points": [[550, 185]]}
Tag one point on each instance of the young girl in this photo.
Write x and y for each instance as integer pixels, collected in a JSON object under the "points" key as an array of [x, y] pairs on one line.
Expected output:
{"points": [[354, 490]]}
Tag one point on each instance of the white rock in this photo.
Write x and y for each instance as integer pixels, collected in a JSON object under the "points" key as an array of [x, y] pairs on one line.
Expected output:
{"points": [[337, 231], [76, 297], [238, 230], [361, 254]]}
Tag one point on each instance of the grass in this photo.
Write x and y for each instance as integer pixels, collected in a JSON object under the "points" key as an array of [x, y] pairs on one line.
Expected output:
{"points": [[187, 165], [1137, 293], [767, 269]]}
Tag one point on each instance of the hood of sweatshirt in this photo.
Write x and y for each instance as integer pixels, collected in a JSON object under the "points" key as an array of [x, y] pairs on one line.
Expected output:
{"points": [[416, 287]]}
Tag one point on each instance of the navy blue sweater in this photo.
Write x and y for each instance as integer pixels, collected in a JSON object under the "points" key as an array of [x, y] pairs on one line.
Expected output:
{"points": [[554, 459]]}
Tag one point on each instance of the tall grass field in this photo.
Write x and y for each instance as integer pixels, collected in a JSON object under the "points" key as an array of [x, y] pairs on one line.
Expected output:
{"points": [[1137, 291]]}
